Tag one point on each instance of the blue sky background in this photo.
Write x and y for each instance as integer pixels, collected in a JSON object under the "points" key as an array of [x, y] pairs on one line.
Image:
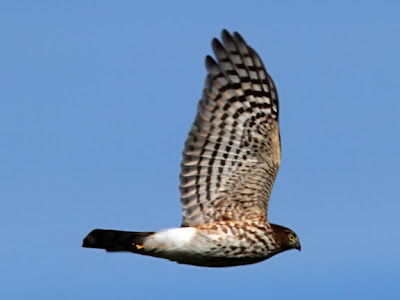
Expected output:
{"points": [[96, 100]]}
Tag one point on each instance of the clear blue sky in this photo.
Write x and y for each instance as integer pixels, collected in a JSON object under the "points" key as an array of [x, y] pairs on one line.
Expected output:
{"points": [[97, 97]]}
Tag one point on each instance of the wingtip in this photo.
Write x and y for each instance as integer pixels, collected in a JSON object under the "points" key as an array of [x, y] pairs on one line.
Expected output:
{"points": [[210, 63], [238, 38], [224, 32]]}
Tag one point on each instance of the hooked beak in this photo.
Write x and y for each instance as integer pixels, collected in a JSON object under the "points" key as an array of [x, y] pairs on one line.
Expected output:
{"points": [[298, 246]]}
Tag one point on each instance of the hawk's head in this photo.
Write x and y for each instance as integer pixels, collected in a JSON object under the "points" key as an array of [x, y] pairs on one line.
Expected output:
{"points": [[286, 238]]}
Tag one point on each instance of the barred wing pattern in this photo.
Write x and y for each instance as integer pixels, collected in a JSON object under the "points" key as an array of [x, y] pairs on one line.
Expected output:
{"points": [[232, 154]]}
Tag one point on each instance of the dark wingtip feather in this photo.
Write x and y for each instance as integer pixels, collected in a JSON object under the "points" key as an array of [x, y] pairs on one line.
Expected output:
{"points": [[225, 35], [216, 46], [210, 63], [239, 38], [224, 31]]}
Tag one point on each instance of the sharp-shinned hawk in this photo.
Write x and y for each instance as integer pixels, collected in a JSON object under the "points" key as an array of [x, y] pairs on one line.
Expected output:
{"points": [[230, 160]]}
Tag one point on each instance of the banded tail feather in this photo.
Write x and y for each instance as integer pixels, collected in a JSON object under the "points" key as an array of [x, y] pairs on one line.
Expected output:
{"points": [[115, 240]]}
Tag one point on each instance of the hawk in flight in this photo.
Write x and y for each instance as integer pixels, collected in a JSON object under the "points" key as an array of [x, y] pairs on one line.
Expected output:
{"points": [[230, 160]]}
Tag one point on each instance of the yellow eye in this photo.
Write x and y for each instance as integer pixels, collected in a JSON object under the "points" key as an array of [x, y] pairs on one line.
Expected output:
{"points": [[291, 237]]}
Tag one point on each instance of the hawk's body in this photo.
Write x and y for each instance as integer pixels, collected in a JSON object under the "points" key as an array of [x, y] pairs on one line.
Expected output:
{"points": [[230, 161]]}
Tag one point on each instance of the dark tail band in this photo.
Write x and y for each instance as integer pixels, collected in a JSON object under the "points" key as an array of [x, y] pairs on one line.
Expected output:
{"points": [[115, 240]]}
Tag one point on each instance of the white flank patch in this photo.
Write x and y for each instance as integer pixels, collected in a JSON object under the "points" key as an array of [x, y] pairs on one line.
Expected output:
{"points": [[170, 239]]}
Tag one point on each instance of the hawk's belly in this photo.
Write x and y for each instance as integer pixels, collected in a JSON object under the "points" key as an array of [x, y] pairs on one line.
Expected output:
{"points": [[219, 244]]}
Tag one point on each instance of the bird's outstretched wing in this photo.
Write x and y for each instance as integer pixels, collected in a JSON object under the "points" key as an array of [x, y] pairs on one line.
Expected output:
{"points": [[232, 154]]}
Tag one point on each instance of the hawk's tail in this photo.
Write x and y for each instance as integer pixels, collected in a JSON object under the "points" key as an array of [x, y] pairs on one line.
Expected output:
{"points": [[114, 240]]}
